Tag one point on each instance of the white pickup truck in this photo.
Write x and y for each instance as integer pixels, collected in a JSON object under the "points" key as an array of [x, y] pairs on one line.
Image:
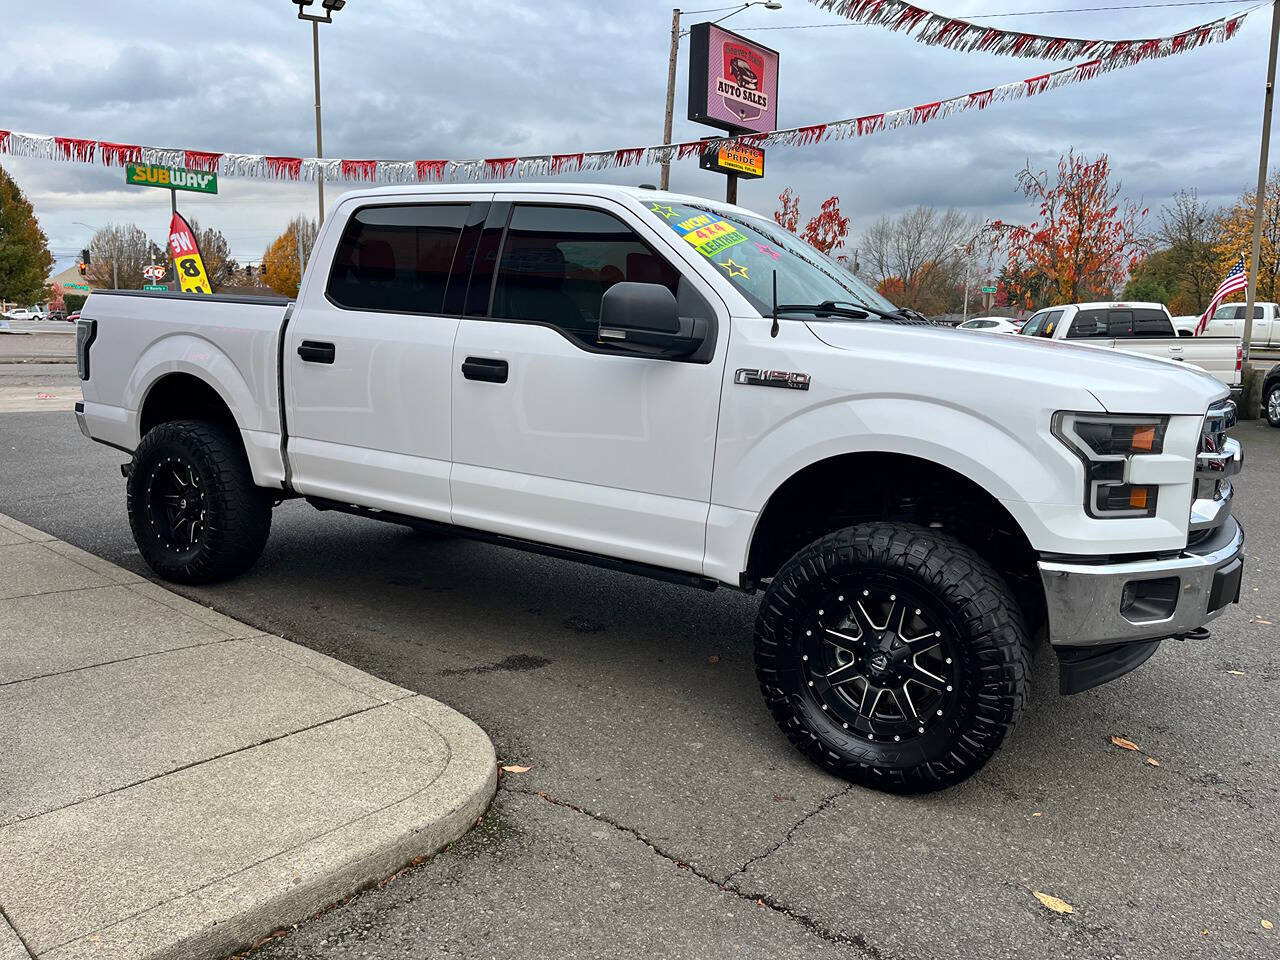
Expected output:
{"points": [[1228, 321], [681, 389], [1145, 329]]}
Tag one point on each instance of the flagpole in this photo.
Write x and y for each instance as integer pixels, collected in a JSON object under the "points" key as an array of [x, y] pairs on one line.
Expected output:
{"points": [[1262, 181]]}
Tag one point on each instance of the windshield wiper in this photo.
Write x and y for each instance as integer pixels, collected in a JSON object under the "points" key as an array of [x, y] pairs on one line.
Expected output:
{"points": [[854, 311]]}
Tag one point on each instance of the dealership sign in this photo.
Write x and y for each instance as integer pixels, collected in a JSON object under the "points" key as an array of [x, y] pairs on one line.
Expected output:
{"points": [[747, 162], [171, 178], [733, 82]]}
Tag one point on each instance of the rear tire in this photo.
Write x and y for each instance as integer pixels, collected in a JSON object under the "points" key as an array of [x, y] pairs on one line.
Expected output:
{"points": [[195, 513], [893, 656]]}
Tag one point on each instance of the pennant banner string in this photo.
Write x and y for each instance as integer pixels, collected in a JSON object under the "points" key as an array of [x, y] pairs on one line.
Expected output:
{"points": [[270, 167], [940, 30]]}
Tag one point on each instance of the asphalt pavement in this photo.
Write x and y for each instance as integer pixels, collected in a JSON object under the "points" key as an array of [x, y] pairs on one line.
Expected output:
{"points": [[663, 814]]}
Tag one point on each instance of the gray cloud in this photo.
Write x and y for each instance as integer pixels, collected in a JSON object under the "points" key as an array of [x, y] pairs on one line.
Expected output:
{"points": [[405, 79]]}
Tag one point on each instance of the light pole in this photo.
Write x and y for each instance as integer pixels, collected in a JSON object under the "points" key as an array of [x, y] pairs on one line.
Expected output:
{"points": [[330, 8], [676, 34], [1256, 248]]}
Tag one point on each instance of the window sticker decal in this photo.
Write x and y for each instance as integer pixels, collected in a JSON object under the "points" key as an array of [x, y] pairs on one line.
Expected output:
{"points": [[735, 269]]}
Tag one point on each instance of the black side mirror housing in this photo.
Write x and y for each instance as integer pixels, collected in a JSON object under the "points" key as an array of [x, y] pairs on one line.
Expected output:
{"points": [[645, 318]]}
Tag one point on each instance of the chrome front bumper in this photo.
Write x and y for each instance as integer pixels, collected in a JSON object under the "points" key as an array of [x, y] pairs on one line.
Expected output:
{"points": [[1109, 603]]}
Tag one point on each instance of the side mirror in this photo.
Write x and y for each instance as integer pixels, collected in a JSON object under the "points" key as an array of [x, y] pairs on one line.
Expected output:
{"points": [[645, 316]]}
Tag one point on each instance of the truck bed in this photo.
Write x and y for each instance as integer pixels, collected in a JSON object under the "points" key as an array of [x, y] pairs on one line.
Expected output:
{"points": [[229, 341]]}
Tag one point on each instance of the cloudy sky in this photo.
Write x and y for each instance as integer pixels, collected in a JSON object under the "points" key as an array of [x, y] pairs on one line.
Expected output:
{"points": [[405, 79]]}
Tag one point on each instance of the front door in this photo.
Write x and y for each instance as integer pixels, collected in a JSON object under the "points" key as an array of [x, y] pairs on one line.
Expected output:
{"points": [[368, 356], [558, 439]]}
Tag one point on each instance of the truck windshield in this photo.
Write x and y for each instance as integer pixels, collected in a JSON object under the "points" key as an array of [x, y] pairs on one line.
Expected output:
{"points": [[750, 249]]}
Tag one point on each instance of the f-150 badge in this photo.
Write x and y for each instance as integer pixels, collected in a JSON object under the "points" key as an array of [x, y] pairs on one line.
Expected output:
{"points": [[771, 378]]}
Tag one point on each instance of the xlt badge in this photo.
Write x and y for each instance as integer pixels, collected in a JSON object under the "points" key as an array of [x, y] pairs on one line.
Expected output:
{"points": [[771, 378]]}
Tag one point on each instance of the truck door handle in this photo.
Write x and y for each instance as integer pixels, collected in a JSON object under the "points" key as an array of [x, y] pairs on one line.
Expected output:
{"points": [[482, 368], [315, 351]]}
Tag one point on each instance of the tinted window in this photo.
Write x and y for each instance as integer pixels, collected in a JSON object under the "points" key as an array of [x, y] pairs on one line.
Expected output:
{"points": [[1032, 326], [557, 262], [396, 258], [1087, 324], [1139, 323], [1049, 323]]}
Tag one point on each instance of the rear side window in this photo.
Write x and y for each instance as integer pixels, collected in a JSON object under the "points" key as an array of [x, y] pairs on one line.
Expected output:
{"points": [[1088, 324], [557, 262], [1232, 311], [396, 258], [1139, 324], [1048, 324]]}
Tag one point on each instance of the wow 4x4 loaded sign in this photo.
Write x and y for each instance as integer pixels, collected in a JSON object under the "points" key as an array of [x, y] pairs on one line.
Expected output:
{"points": [[171, 178]]}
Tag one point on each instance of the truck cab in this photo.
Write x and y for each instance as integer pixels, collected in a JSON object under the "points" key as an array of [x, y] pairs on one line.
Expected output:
{"points": [[681, 389]]}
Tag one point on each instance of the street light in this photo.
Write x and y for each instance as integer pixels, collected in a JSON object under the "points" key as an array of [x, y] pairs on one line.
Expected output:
{"points": [[676, 34], [330, 8]]}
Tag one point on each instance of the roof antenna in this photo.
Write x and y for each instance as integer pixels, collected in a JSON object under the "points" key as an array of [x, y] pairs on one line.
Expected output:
{"points": [[773, 331]]}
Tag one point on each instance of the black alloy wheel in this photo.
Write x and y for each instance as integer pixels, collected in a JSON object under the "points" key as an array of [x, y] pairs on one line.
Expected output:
{"points": [[892, 655], [195, 513]]}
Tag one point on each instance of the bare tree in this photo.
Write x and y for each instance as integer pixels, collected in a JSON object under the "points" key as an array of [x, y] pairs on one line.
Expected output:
{"points": [[216, 254], [118, 254], [919, 258], [1188, 230]]}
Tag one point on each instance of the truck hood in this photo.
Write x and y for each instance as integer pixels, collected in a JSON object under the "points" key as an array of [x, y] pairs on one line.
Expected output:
{"points": [[1121, 382]]}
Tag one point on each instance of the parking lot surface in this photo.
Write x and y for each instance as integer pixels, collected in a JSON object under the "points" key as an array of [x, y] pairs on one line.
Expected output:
{"points": [[663, 814]]}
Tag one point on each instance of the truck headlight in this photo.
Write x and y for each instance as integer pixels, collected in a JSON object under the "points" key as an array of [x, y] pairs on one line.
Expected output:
{"points": [[1104, 444]]}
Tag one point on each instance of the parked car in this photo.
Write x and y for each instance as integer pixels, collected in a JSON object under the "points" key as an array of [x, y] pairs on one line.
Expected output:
{"points": [[22, 313], [1271, 396], [604, 374], [990, 324], [1140, 328], [73, 317], [1186, 325], [56, 315]]}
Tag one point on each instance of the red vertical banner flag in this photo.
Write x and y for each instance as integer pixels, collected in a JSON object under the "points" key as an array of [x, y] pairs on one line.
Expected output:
{"points": [[186, 257]]}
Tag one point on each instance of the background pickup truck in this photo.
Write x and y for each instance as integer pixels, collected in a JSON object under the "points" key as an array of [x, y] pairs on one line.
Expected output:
{"points": [[684, 390], [1145, 329]]}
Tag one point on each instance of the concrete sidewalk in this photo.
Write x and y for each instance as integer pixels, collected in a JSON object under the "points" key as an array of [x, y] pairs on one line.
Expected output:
{"points": [[174, 783]]}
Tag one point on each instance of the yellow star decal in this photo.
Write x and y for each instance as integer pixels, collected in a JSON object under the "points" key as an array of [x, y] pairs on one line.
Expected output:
{"points": [[735, 269], [667, 211]]}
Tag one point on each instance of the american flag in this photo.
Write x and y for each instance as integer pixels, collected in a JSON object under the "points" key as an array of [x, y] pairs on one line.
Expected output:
{"points": [[1236, 279]]}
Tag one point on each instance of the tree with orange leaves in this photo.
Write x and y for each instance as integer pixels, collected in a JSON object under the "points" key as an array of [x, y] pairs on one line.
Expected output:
{"points": [[826, 230], [1084, 241]]}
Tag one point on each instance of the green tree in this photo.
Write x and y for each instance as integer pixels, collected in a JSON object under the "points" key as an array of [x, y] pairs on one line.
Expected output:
{"points": [[25, 260], [1150, 279]]}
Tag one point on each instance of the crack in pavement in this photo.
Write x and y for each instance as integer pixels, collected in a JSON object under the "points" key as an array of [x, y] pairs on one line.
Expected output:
{"points": [[826, 802], [765, 900]]}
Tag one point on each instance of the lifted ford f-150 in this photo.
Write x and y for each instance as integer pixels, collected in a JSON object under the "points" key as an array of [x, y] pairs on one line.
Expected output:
{"points": [[682, 389]]}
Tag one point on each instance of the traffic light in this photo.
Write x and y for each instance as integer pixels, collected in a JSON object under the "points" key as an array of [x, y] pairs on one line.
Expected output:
{"points": [[248, 269], [84, 257], [82, 269]]}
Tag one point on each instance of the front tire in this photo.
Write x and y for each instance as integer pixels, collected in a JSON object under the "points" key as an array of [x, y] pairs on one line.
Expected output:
{"points": [[195, 513], [1272, 405], [893, 656]]}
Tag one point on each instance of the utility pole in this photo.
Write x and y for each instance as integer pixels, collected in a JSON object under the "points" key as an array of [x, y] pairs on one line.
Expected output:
{"points": [[1262, 182], [315, 54], [664, 181]]}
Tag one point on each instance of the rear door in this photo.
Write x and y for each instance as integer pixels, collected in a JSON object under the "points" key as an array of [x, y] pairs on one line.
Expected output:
{"points": [[557, 438], [368, 353]]}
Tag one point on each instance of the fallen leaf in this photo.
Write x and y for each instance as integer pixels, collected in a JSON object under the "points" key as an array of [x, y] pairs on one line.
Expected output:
{"points": [[1056, 904], [1251, 619], [1153, 761], [515, 768], [714, 658], [1037, 814], [1267, 924], [1204, 933], [1125, 744], [1236, 673]]}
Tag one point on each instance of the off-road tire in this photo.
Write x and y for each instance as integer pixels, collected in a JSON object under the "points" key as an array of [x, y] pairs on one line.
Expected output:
{"points": [[234, 516], [979, 619]]}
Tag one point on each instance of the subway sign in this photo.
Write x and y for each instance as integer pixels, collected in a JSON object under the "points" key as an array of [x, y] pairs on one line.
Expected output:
{"points": [[171, 178]]}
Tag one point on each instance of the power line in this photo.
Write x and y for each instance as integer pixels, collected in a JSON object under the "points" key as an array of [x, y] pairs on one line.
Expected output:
{"points": [[1022, 13]]}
